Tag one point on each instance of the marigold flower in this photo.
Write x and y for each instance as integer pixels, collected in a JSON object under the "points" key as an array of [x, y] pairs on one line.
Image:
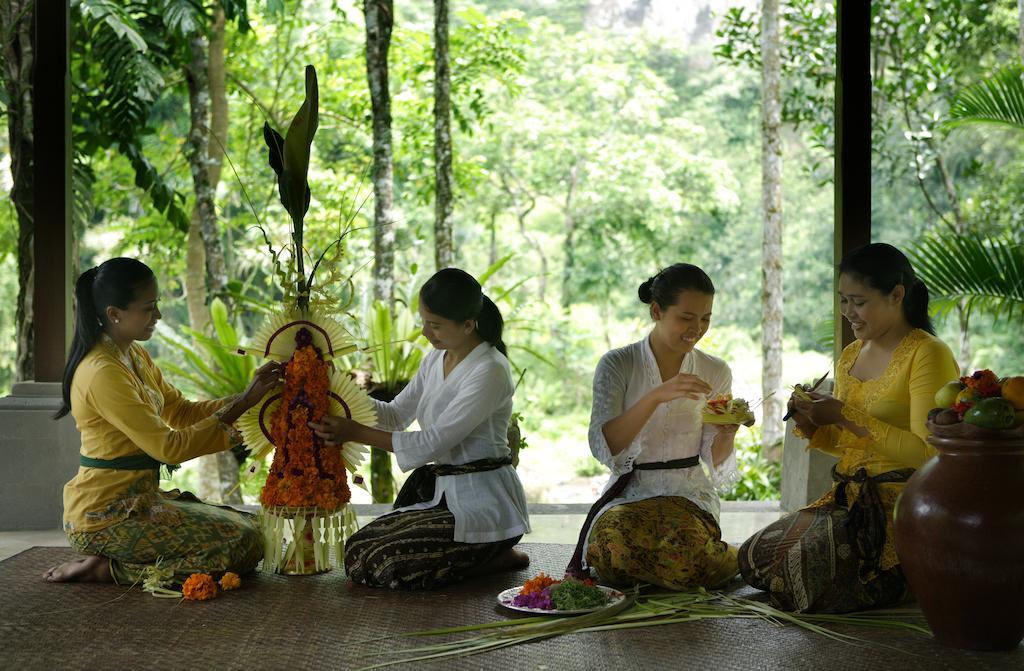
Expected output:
{"points": [[537, 583], [199, 587], [304, 472], [230, 581]]}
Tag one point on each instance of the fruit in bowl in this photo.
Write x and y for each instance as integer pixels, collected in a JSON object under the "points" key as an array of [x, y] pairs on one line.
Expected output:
{"points": [[947, 395], [991, 413], [981, 399]]}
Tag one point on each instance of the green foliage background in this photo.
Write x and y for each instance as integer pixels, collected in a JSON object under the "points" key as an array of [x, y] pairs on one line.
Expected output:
{"points": [[594, 154]]}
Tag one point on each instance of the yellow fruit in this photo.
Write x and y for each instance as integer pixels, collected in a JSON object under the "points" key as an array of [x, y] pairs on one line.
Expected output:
{"points": [[968, 396], [1013, 391]]}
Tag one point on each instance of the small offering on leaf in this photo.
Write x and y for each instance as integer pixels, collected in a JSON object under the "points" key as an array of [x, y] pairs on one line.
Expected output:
{"points": [[728, 410]]}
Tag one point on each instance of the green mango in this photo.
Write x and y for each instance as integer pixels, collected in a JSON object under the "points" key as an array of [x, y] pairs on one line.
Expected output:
{"points": [[991, 413]]}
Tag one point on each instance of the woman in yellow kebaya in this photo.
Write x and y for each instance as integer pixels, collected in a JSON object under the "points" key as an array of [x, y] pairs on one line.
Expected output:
{"points": [[837, 554], [132, 422]]}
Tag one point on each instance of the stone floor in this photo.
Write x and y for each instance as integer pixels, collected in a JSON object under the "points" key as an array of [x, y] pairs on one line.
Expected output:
{"points": [[552, 523]]}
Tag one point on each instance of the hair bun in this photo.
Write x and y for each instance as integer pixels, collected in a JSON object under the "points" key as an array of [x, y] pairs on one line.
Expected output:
{"points": [[645, 291]]}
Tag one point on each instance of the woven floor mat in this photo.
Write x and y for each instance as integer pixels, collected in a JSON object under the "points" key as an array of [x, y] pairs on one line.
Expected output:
{"points": [[323, 622]]}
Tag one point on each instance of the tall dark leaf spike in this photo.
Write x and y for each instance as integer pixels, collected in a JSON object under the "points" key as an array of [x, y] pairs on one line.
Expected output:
{"points": [[289, 157]]}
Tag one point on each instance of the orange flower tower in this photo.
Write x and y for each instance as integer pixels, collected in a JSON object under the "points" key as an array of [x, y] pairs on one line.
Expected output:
{"points": [[305, 511]]}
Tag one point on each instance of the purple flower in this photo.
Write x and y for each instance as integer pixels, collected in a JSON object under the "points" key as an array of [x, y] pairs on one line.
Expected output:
{"points": [[541, 599]]}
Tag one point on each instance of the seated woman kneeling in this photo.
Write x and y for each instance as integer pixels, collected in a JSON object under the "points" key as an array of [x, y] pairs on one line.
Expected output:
{"points": [[132, 421], [837, 554], [463, 509], [657, 520]]}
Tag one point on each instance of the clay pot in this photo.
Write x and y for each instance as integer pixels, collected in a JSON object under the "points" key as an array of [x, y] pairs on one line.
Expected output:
{"points": [[959, 532]]}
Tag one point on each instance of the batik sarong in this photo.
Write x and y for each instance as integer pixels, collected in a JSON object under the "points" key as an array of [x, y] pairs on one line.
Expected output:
{"points": [[835, 556], [668, 541], [181, 533], [416, 549]]}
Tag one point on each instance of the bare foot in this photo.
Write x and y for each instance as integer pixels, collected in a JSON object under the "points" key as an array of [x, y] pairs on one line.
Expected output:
{"points": [[86, 569], [509, 560]]}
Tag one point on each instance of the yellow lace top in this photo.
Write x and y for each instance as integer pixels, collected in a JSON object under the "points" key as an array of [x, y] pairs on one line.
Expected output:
{"points": [[893, 407], [122, 406]]}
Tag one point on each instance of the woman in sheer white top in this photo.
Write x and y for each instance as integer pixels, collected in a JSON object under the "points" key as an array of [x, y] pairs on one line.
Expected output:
{"points": [[657, 519], [463, 509]]}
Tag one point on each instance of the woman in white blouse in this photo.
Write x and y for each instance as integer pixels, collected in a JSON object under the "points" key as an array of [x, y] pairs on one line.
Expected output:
{"points": [[657, 519], [463, 508]]}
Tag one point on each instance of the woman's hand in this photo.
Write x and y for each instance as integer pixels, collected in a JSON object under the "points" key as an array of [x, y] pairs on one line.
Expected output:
{"points": [[336, 430], [821, 410], [803, 423], [266, 378], [682, 385]]}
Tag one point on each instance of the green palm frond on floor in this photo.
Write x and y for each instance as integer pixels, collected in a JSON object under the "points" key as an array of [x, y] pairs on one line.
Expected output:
{"points": [[986, 273], [997, 100]]}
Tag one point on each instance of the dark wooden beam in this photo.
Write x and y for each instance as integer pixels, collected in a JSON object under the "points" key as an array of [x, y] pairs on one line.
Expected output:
{"points": [[853, 140], [52, 234]]}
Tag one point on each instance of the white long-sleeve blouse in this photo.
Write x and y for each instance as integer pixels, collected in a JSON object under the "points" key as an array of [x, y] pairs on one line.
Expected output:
{"points": [[462, 418], [674, 431]]}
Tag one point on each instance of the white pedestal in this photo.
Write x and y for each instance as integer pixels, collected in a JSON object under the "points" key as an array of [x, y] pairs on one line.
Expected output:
{"points": [[806, 474], [38, 455]]}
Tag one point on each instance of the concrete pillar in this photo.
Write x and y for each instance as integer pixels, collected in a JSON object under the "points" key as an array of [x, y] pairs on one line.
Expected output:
{"points": [[806, 474], [39, 456]]}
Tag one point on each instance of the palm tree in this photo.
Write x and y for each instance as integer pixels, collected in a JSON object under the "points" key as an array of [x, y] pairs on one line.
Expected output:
{"points": [[997, 100], [987, 274]]}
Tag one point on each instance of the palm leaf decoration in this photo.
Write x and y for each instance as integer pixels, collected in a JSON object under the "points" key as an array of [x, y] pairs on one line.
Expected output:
{"points": [[997, 100], [289, 157], [986, 273]]}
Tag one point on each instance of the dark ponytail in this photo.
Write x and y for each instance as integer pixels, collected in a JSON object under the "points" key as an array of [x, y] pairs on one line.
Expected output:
{"points": [[664, 287], [114, 282], [883, 267], [489, 324], [456, 295]]}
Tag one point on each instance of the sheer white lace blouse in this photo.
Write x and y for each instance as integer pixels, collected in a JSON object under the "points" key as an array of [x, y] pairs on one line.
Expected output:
{"points": [[674, 431], [462, 418]]}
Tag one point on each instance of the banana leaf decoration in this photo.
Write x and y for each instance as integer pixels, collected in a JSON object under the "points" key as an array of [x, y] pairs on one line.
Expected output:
{"points": [[289, 157]]}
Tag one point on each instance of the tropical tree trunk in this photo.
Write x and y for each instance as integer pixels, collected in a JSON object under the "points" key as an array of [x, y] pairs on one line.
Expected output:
{"points": [[18, 57], [522, 210], [195, 255], [444, 245], [570, 235], [379, 22], [771, 205], [960, 223], [218, 474]]}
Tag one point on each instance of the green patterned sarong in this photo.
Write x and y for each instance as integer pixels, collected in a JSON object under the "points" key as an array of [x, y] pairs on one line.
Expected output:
{"points": [[188, 536]]}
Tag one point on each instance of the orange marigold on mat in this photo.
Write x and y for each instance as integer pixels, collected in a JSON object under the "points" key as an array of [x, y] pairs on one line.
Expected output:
{"points": [[305, 472], [537, 583], [199, 587], [230, 581]]}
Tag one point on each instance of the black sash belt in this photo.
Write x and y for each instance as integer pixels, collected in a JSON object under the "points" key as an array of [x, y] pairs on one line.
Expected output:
{"points": [[575, 567], [420, 485], [867, 517]]}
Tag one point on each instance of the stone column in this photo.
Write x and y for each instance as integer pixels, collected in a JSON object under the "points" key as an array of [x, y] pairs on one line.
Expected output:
{"points": [[39, 456]]}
